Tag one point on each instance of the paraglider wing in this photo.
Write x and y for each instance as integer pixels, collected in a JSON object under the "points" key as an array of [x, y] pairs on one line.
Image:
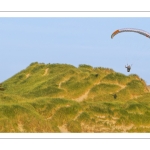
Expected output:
{"points": [[131, 30]]}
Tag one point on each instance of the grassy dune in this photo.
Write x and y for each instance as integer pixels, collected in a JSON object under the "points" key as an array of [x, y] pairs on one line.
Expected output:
{"points": [[64, 98]]}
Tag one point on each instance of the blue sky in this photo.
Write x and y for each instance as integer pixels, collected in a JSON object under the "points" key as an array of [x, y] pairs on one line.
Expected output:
{"points": [[74, 41]]}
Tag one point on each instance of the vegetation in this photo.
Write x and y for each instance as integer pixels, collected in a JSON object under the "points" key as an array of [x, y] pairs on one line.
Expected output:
{"points": [[64, 98]]}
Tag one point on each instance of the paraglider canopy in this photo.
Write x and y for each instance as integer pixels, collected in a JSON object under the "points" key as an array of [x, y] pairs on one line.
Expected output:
{"points": [[131, 30]]}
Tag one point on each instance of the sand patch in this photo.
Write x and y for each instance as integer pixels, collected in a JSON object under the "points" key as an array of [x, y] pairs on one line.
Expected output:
{"points": [[124, 128], [82, 97], [63, 128], [27, 75], [20, 127]]}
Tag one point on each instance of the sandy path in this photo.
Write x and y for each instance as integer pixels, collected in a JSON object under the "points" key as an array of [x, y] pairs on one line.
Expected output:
{"points": [[78, 115], [122, 87], [82, 97], [55, 110], [63, 81], [85, 95], [46, 71]]}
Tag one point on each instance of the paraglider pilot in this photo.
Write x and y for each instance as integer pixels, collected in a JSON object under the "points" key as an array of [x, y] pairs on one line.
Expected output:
{"points": [[128, 68]]}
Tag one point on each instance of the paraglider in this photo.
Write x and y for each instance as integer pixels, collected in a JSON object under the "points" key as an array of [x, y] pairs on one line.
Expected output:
{"points": [[131, 30], [139, 31], [128, 68]]}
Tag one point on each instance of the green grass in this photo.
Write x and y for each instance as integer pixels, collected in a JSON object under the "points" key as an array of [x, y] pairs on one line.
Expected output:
{"points": [[41, 98], [102, 89], [74, 126]]}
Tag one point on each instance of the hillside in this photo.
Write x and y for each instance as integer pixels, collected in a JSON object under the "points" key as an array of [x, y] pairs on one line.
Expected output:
{"points": [[64, 98]]}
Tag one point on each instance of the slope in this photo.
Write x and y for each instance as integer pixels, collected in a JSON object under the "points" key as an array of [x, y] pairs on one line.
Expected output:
{"points": [[64, 98]]}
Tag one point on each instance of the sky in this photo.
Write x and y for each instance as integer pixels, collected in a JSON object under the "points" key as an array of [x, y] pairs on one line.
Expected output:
{"points": [[74, 41]]}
